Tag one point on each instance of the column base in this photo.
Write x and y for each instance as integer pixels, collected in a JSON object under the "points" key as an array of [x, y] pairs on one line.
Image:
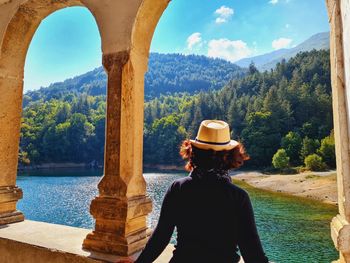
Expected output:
{"points": [[13, 217], [111, 244], [340, 232], [120, 225], [9, 195]]}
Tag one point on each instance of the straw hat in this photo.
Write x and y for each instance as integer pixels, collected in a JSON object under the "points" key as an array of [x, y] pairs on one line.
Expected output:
{"points": [[214, 135]]}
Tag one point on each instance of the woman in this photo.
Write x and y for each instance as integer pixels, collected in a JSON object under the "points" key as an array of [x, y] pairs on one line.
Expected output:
{"points": [[213, 217]]}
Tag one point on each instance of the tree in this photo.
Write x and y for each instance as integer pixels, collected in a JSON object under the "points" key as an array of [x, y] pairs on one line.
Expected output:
{"points": [[280, 160], [252, 68], [309, 146], [292, 144], [327, 150], [78, 132], [261, 138], [162, 141], [314, 162], [23, 158]]}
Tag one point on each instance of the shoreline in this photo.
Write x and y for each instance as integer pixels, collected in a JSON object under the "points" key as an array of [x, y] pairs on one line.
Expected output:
{"points": [[48, 166], [318, 186]]}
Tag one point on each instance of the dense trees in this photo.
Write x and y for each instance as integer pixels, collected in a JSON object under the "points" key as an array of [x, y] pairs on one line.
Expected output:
{"points": [[58, 131], [288, 107], [168, 73]]}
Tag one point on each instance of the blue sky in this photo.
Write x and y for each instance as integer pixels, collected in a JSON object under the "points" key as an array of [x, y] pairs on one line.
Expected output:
{"points": [[67, 43]]}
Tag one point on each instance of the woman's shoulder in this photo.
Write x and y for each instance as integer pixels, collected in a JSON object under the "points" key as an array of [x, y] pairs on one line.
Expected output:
{"points": [[181, 181], [238, 191]]}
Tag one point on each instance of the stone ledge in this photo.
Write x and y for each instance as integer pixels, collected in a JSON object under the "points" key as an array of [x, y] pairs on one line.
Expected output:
{"points": [[31, 241]]}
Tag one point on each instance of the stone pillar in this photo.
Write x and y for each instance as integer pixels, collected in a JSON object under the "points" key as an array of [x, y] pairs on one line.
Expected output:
{"points": [[121, 207], [340, 228], [10, 119]]}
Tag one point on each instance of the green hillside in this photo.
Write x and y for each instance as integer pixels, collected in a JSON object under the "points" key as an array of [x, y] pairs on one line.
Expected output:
{"points": [[265, 110], [167, 73]]}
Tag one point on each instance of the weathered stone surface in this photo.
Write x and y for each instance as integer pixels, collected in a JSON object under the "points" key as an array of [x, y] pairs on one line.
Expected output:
{"points": [[120, 225], [114, 208], [122, 181], [8, 200], [338, 11], [38, 242], [121, 208]]}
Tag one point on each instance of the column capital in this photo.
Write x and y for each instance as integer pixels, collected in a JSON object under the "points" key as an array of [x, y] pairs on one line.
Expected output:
{"points": [[115, 60]]}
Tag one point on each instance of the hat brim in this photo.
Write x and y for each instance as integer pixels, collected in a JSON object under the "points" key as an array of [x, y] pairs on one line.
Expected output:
{"points": [[216, 147]]}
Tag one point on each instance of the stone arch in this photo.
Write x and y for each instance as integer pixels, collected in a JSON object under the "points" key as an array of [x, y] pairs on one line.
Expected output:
{"points": [[145, 23], [15, 43], [23, 18], [20, 31], [120, 209]]}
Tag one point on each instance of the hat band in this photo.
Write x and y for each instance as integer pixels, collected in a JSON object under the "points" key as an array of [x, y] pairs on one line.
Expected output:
{"points": [[213, 143]]}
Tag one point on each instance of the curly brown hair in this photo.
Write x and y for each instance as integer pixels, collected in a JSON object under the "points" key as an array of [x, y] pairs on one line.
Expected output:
{"points": [[210, 159]]}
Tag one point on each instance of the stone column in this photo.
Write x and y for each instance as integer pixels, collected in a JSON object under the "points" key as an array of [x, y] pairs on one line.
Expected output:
{"points": [[10, 119], [340, 228], [121, 207]]}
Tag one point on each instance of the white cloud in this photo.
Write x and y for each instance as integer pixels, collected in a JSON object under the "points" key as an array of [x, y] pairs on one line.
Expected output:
{"points": [[224, 13], [231, 50], [220, 20], [193, 40], [287, 25], [281, 43], [273, 2]]}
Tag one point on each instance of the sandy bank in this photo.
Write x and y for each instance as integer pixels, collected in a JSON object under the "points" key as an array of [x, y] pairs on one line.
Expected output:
{"points": [[321, 186]]}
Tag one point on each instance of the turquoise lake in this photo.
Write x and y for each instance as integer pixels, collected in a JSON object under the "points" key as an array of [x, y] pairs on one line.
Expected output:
{"points": [[292, 229]]}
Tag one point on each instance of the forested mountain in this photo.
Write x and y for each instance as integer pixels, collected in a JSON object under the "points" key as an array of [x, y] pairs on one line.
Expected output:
{"points": [[267, 61], [288, 107], [261, 109], [167, 73]]}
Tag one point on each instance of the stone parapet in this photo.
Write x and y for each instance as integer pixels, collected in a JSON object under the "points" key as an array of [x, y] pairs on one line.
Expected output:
{"points": [[38, 242]]}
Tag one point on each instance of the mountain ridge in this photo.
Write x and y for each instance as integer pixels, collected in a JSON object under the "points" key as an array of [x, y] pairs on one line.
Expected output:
{"points": [[167, 73], [269, 60], [174, 73]]}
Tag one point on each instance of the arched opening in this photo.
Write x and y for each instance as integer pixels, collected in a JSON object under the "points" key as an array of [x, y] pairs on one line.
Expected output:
{"points": [[125, 59], [144, 46], [63, 119], [15, 43], [122, 188]]}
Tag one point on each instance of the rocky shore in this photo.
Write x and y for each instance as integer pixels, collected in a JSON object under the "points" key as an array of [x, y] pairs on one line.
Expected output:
{"points": [[320, 186]]}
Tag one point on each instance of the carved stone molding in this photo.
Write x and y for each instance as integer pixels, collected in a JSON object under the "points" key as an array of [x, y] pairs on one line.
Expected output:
{"points": [[120, 225], [9, 195]]}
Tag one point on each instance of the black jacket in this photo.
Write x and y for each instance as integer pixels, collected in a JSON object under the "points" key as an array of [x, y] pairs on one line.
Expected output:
{"points": [[213, 218]]}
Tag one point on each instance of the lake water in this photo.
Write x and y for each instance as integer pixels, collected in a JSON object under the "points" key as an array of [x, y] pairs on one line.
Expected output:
{"points": [[292, 229]]}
